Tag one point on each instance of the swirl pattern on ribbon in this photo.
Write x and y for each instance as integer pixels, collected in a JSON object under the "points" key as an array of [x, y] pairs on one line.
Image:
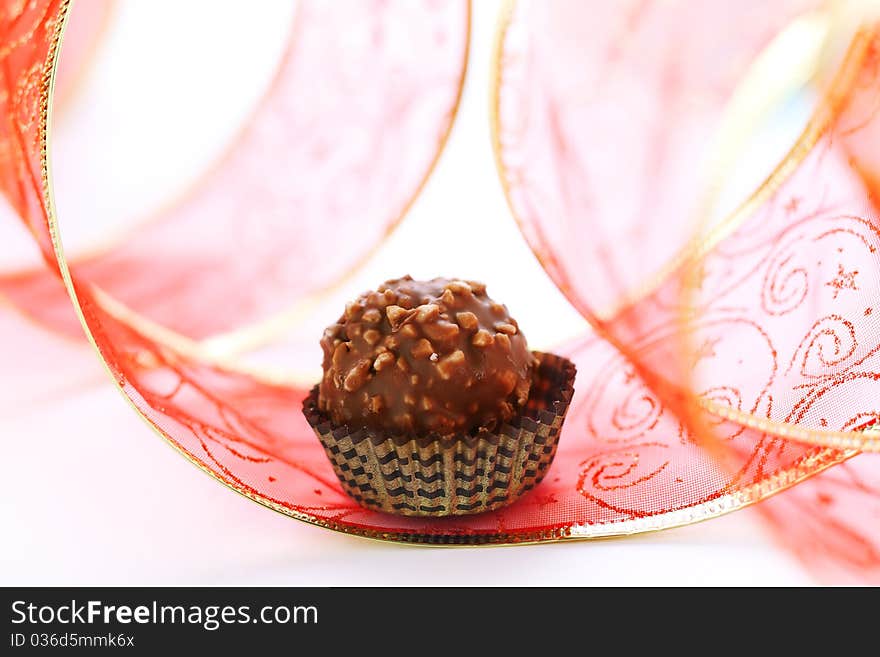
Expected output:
{"points": [[603, 132]]}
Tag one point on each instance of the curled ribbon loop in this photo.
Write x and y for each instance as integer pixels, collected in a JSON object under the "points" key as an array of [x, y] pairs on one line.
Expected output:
{"points": [[743, 340], [727, 358]]}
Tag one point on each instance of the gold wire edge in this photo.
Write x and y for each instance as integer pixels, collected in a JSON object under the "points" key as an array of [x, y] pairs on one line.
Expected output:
{"points": [[819, 124], [696, 248], [827, 457], [867, 440], [220, 350], [730, 122], [74, 91], [225, 346], [116, 308], [505, 16]]}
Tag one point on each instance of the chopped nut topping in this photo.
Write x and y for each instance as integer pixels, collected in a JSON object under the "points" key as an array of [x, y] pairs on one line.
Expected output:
{"points": [[358, 376], [441, 331], [336, 377], [422, 349], [417, 357], [482, 338], [427, 312], [376, 300], [459, 287], [508, 380], [383, 360], [339, 353], [396, 315], [451, 364], [352, 310], [467, 321], [372, 316]]}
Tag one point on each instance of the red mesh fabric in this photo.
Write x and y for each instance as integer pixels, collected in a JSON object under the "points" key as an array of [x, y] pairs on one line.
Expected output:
{"points": [[361, 104], [767, 320], [602, 126], [606, 116]]}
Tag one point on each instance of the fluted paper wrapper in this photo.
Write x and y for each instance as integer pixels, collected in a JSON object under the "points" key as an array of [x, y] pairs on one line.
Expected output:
{"points": [[452, 475]]}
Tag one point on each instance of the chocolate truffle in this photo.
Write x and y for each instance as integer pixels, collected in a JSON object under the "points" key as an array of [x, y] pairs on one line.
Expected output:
{"points": [[421, 357]]}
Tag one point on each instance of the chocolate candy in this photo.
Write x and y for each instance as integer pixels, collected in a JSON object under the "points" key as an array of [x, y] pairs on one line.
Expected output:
{"points": [[421, 357]]}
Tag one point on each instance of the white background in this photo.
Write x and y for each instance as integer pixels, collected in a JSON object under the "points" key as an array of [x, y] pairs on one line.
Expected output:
{"points": [[70, 515]]}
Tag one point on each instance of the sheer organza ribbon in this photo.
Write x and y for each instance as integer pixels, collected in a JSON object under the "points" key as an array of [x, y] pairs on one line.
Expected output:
{"points": [[731, 357]]}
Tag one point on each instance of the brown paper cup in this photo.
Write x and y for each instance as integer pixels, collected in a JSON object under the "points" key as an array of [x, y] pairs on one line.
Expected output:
{"points": [[452, 475]]}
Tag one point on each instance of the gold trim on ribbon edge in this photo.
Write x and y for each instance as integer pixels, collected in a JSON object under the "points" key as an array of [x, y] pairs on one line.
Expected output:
{"points": [[869, 440], [818, 126], [220, 350], [809, 465]]}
